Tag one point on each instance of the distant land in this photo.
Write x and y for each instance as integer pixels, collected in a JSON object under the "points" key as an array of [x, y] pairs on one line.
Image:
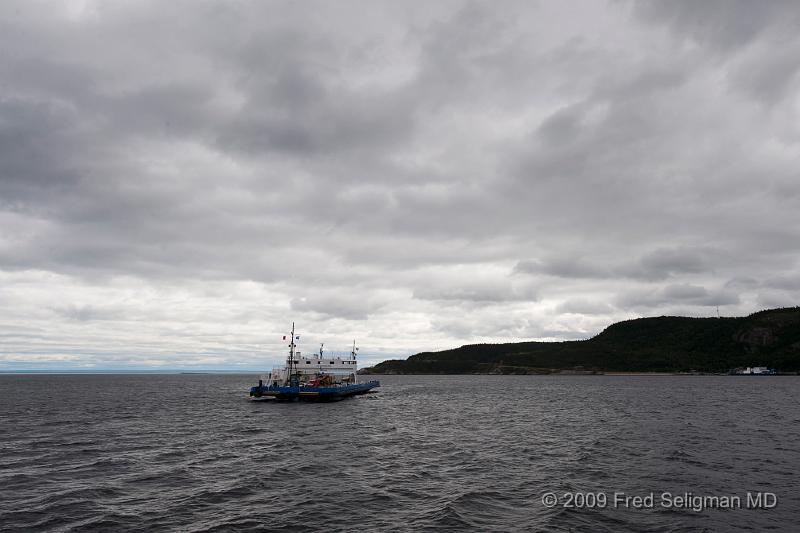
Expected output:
{"points": [[661, 344]]}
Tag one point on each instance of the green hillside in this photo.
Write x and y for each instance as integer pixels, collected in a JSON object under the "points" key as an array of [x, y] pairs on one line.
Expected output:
{"points": [[662, 344]]}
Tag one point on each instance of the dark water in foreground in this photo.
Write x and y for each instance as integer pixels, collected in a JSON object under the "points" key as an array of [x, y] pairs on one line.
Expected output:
{"points": [[437, 453]]}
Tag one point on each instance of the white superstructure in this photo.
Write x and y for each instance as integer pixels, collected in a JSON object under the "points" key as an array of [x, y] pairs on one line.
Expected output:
{"points": [[755, 370], [302, 369]]}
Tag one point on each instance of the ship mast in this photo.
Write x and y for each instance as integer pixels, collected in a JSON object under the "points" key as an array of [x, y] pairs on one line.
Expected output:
{"points": [[291, 355]]}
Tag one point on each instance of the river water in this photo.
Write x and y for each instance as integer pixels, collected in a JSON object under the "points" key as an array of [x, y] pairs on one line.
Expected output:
{"points": [[425, 453]]}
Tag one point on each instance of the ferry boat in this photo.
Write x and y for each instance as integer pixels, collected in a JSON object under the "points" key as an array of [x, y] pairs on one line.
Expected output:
{"points": [[317, 378], [755, 371]]}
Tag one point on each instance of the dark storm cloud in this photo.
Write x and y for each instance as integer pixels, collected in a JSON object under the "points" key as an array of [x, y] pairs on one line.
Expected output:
{"points": [[428, 173]]}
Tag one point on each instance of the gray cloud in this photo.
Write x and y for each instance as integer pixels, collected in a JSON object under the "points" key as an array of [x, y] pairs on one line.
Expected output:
{"points": [[418, 175], [84, 313], [334, 304], [656, 265], [680, 294], [461, 289], [664, 262], [722, 24], [583, 306], [790, 282]]}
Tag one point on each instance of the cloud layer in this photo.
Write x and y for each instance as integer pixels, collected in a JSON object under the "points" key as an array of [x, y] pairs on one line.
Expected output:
{"points": [[179, 181]]}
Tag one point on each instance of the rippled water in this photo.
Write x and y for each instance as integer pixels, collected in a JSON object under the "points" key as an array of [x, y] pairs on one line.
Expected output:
{"points": [[192, 453]]}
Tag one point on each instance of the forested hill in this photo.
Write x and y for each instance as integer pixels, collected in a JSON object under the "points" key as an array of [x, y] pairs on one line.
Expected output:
{"points": [[662, 344]]}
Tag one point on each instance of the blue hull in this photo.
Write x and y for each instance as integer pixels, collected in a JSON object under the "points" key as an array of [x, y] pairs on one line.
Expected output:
{"points": [[312, 393]]}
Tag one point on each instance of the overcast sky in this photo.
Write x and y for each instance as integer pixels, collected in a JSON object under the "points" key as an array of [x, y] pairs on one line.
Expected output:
{"points": [[181, 180]]}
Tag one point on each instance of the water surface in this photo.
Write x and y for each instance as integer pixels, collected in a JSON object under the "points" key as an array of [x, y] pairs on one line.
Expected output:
{"points": [[426, 453]]}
